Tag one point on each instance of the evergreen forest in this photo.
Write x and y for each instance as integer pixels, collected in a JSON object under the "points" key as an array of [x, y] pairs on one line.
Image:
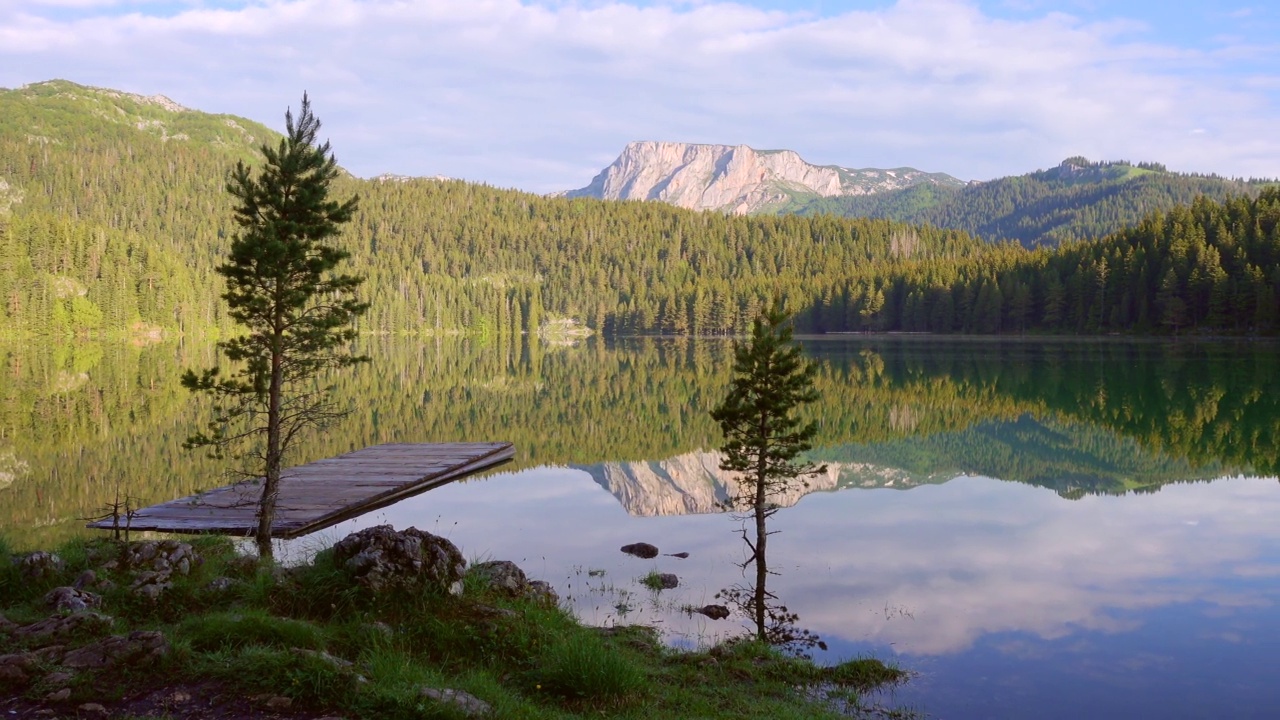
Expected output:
{"points": [[113, 216]]}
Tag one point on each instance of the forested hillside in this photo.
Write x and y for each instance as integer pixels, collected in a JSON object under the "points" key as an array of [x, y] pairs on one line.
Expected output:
{"points": [[1208, 268], [1077, 200], [113, 216], [118, 217]]}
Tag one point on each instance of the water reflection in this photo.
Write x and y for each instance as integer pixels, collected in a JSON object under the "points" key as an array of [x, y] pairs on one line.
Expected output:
{"points": [[975, 582], [1041, 529]]}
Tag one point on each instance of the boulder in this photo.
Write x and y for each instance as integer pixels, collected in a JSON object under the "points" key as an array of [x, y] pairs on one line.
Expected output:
{"points": [[641, 550], [16, 669], [541, 590], [381, 557], [40, 565], [137, 649], [59, 626], [501, 575], [71, 600], [466, 703]]}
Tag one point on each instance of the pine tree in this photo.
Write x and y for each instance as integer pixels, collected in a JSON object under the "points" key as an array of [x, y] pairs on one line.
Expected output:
{"points": [[299, 313], [763, 437]]}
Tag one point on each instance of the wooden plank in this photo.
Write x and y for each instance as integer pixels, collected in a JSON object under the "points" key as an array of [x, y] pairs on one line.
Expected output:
{"points": [[320, 494]]}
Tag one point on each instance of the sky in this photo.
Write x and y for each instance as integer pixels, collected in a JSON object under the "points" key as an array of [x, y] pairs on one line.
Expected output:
{"points": [[542, 94]]}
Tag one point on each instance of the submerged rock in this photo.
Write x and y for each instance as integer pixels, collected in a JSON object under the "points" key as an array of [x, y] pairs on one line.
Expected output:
{"points": [[641, 550], [381, 557], [715, 612]]}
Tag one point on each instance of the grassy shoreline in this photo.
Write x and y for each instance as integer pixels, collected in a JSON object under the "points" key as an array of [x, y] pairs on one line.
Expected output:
{"points": [[244, 641]]}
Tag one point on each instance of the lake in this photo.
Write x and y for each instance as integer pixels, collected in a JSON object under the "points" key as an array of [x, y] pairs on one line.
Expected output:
{"points": [[1035, 528]]}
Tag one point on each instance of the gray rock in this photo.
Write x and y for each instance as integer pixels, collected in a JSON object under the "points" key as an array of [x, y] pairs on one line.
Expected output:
{"points": [[641, 550], [59, 626], [541, 590], [71, 600], [92, 709], [381, 557], [502, 575], [715, 612], [137, 649], [58, 679], [221, 584], [39, 565], [466, 703], [59, 696], [17, 668]]}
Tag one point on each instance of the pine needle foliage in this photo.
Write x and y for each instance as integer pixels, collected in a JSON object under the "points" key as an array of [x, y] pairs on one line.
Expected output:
{"points": [[282, 285], [763, 438]]}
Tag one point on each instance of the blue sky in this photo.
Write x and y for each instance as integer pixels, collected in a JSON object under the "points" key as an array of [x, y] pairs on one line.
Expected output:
{"points": [[541, 95]]}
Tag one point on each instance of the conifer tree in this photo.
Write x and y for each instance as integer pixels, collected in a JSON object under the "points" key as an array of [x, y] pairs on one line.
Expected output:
{"points": [[282, 286], [763, 437]]}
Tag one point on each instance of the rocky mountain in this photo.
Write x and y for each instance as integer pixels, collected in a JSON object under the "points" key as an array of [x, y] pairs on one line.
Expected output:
{"points": [[694, 484], [739, 179]]}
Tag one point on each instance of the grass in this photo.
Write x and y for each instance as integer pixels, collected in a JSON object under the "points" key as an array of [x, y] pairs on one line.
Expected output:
{"points": [[313, 635]]}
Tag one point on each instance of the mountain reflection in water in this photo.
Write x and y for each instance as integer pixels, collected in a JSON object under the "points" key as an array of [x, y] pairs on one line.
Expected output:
{"points": [[1088, 529]]}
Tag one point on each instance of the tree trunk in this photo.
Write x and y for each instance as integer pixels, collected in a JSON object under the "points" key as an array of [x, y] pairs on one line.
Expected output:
{"points": [[271, 474], [762, 567]]}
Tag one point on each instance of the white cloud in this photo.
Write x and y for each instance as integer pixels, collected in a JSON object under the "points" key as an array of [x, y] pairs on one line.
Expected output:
{"points": [[541, 96]]}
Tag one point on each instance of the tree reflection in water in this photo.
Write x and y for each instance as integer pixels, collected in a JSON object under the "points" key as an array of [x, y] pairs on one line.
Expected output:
{"points": [[763, 438]]}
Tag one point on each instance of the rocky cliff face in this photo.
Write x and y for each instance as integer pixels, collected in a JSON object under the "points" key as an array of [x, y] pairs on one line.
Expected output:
{"points": [[737, 178], [693, 483]]}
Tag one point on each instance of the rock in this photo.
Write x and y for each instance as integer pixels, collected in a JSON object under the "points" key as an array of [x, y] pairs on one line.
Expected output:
{"points": [[137, 649], [466, 703], [641, 550], [56, 679], [16, 669], [279, 702], [40, 565], [151, 584], [737, 179], [221, 584], [715, 612], [542, 590], [662, 581], [92, 709], [59, 696], [502, 575], [58, 626], [337, 662], [177, 697], [84, 580], [71, 600], [381, 557]]}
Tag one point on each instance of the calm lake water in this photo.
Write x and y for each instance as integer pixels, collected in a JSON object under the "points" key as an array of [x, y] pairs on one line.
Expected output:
{"points": [[1035, 528]]}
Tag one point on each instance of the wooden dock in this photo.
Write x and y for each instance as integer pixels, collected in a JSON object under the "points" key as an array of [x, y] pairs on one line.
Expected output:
{"points": [[323, 493]]}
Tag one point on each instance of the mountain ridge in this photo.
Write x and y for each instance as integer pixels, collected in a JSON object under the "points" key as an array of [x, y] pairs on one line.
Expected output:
{"points": [[737, 178]]}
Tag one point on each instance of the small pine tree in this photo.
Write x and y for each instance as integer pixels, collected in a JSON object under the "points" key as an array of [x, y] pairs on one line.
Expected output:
{"points": [[763, 437], [298, 313]]}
